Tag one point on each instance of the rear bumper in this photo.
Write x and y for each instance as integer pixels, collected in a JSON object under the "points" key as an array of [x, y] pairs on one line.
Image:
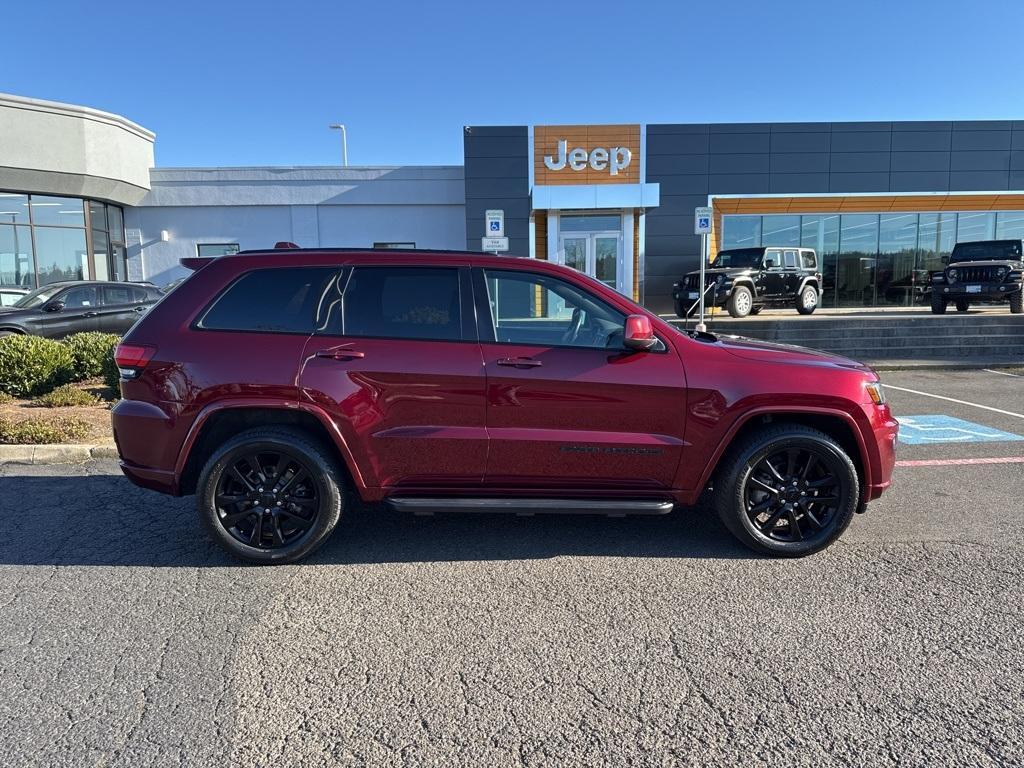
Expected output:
{"points": [[144, 433]]}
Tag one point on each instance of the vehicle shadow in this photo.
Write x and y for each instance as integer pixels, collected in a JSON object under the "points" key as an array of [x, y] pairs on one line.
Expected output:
{"points": [[90, 520]]}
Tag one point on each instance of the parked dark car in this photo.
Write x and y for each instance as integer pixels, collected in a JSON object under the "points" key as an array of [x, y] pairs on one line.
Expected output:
{"points": [[282, 386], [984, 270], [746, 280], [60, 309], [9, 295]]}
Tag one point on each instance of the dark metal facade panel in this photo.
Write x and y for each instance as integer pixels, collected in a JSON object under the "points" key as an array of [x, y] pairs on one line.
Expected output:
{"points": [[861, 141], [677, 144], [800, 142], [739, 163], [918, 181], [919, 161], [859, 182], [862, 162], [980, 140], [989, 160], [799, 162], [979, 181], [731, 143], [497, 175], [922, 141], [798, 183]]}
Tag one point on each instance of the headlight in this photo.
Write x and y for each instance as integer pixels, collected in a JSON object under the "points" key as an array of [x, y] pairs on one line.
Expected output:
{"points": [[875, 392], [1001, 273], [951, 275], [938, 277]]}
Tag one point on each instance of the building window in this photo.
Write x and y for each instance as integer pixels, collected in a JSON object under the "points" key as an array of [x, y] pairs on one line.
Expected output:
{"points": [[780, 230], [44, 238], [741, 232], [217, 249], [979, 225], [395, 246]]}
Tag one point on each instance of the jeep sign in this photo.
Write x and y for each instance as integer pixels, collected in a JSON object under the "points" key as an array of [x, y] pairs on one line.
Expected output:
{"points": [[613, 160]]}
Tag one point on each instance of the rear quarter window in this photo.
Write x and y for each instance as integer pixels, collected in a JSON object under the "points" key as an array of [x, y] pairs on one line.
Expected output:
{"points": [[807, 260], [273, 300]]}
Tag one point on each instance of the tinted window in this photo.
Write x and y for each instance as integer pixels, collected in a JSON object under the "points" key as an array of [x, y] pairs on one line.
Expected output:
{"points": [[807, 260], [216, 249], [271, 300], [791, 259], [997, 250], [403, 303], [117, 294], [76, 298], [529, 308]]}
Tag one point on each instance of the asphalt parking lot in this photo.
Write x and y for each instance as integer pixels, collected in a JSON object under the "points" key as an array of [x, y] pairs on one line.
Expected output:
{"points": [[128, 639]]}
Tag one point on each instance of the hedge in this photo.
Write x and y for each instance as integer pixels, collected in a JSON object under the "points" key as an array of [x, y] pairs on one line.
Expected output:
{"points": [[88, 350], [32, 365]]}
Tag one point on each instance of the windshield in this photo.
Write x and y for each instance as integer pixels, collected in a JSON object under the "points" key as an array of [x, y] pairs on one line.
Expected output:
{"points": [[740, 257], [996, 250], [37, 297]]}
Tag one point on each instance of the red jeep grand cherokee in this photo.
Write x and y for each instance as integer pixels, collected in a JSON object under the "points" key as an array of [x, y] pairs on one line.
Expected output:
{"points": [[272, 384]]}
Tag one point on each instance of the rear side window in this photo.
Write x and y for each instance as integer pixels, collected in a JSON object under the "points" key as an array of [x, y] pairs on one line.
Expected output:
{"points": [[403, 303], [117, 294], [283, 300], [807, 260], [790, 259]]}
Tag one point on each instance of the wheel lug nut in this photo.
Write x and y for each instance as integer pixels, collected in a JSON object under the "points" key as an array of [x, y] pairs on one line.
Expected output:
{"points": [[279, 503]]}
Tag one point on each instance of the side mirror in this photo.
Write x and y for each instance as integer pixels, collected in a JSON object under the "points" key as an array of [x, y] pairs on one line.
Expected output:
{"points": [[638, 333], [54, 306]]}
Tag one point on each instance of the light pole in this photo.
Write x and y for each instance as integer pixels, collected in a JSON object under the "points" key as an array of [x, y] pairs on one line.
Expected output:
{"points": [[344, 142]]}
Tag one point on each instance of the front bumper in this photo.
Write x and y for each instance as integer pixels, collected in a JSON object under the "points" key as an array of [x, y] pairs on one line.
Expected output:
{"points": [[976, 291]]}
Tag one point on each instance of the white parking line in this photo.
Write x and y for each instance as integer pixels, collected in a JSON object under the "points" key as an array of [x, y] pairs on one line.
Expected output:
{"points": [[954, 400], [1003, 373]]}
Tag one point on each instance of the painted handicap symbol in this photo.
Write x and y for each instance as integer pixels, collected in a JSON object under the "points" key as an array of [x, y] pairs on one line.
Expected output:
{"points": [[925, 430]]}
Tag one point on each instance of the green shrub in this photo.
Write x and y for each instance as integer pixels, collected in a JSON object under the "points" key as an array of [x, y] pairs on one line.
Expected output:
{"points": [[66, 396], [32, 365], [5, 398], [87, 351], [42, 431], [111, 374]]}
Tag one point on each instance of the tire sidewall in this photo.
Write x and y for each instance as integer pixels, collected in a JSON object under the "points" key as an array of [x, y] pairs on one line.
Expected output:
{"points": [[734, 308], [839, 463], [323, 477], [804, 306]]}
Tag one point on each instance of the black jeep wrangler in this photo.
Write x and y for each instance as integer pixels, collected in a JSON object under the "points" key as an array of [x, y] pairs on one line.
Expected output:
{"points": [[746, 280], [985, 270]]}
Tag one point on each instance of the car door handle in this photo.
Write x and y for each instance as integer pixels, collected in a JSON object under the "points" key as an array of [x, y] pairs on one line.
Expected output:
{"points": [[340, 353], [90, 314], [520, 362], [139, 309]]}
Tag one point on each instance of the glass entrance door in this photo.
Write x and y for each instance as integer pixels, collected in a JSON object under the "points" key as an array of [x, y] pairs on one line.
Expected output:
{"points": [[593, 253]]}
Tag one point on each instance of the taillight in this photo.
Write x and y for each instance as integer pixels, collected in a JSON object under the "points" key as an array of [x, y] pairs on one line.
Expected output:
{"points": [[132, 358]]}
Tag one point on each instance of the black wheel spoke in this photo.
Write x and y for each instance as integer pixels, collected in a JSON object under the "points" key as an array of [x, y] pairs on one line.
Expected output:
{"points": [[229, 499], [237, 474], [826, 482], [294, 480], [811, 461], [254, 463], [813, 519], [794, 526], [822, 499], [773, 471], [277, 536], [230, 521], [768, 524], [257, 532], [791, 455], [757, 509], [279, 470], [298, 520], [763, 485]]}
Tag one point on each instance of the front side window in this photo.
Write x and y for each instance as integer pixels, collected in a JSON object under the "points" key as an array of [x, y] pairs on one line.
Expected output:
{"points": [[79, 298], [535, 309], [403, 303], [273, 300], [773, 260]]}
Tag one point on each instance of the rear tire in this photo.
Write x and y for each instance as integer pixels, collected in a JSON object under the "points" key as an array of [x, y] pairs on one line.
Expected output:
{"points": [[807, 301], [938, 304], [790, 522], [270, 495], [962, 305], [740, 302], [1017, 302]]}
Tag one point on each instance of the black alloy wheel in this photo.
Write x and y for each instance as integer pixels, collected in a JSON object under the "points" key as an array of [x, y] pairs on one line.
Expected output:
{"points": [[270, 495], [787, 490], [267, 499], [791, 495]]}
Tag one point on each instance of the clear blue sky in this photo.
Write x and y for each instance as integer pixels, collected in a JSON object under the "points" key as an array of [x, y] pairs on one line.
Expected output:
{"points": [[257, 83]]}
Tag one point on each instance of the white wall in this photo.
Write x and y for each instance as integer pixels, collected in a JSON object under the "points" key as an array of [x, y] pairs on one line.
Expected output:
{"points": [[65, 149], [313, 207]]}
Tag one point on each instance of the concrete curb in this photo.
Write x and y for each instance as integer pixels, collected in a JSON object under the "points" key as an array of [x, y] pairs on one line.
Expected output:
{"points": [[55, 454]]}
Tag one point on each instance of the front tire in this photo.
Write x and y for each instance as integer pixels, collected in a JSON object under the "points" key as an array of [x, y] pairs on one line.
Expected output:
{"points": [[962, 305], [807, 301], [740, 302], [787, 490], [1017, 302], [938, 304], [270, 495]]}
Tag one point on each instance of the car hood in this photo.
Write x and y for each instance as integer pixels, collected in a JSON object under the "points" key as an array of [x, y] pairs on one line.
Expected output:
{"points": [[1012, 263], [773, 352], [9, 310], [727, 271]]}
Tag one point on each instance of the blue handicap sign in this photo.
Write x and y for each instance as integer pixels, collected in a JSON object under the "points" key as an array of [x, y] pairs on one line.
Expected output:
{"points": [[494, 226], [924, 430], [704, 222]]}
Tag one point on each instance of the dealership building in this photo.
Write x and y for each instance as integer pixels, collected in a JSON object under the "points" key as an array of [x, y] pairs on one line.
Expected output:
{"points": [[881, 202]]}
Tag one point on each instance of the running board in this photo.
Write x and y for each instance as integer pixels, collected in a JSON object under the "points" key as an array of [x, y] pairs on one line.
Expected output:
{"points": [[526, 507]]}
